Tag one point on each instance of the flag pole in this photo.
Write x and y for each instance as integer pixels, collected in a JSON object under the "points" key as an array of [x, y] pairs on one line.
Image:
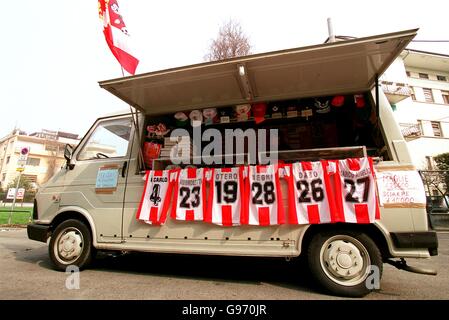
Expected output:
{"points": [[136, 126]]}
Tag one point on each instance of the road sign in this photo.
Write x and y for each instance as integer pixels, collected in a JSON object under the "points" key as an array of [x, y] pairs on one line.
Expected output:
{"points": [[20, 193], [10, 194], [24, 154]]}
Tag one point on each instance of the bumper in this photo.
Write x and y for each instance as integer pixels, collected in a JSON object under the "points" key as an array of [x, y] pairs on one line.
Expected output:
{"points": [[416, 240], [38, 232]]}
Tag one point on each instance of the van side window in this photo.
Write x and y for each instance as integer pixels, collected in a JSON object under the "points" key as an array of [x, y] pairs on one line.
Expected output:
{"points": [[110, 139]]}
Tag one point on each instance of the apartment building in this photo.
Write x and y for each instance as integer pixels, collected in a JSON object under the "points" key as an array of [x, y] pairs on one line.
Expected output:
{"points": [[417, 86], [45, 157]]}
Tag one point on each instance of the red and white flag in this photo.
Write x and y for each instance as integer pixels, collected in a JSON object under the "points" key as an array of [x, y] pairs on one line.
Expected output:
{"points": [[116, 34]]}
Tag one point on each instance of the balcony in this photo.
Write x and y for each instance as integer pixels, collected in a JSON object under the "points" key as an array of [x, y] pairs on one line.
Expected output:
{"points": [[396, 91], [410, 130]]}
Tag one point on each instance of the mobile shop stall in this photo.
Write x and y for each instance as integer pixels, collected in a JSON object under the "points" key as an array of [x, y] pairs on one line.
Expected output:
{"points": [[327, 112]]}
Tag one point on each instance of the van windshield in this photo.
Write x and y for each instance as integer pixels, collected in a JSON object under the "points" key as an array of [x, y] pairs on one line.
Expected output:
{"points": [[110, 139]]}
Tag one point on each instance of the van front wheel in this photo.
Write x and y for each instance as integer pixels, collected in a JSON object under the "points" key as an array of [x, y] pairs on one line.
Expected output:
{"points": [[71, 245], [341, 262]]}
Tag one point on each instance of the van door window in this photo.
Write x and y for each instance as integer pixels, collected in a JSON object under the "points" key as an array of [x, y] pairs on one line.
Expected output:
{"points": [[110, 139]]}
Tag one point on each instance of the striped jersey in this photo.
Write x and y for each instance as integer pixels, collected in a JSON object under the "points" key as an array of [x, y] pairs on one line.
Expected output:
{"points": [[310, 196], [265, 205], [189, 195], [226, 196], [355, 190], [156, 196]]}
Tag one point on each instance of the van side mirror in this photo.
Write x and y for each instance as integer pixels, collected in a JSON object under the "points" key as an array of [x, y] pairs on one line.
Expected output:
{"points": [[68, 152]]}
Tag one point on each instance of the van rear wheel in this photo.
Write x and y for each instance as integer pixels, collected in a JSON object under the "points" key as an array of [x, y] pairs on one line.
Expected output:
{"points": [[71, 245], [341, 262]]}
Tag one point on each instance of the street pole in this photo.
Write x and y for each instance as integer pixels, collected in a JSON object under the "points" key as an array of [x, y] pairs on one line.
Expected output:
{"points": [[14, 201]]}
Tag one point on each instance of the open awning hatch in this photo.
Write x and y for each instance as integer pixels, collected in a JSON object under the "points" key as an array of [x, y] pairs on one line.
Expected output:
{"points": [[343, 67]]}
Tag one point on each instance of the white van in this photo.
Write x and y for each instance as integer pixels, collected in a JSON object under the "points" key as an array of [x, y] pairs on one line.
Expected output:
{"points": [[81, 213]]}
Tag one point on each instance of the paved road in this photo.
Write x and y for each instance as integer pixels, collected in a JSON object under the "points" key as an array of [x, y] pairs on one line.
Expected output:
{"points": [[26, 273]]}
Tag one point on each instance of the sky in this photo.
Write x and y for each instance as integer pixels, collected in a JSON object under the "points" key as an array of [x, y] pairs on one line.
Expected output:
{"points": [[53, 53]]}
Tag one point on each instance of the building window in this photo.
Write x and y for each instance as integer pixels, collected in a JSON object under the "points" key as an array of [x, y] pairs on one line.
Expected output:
{"points": [[412, 93], [428, 95], [7, 159], [445, 95], [423, 76], [441, 78], [408, 73], [436, 127], [33, 162]]}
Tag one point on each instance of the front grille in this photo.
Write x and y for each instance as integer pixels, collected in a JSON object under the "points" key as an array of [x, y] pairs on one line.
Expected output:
{"points": [[35, 215]]}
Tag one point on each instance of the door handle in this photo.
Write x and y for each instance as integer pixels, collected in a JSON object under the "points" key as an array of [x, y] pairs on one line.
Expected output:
{"points": [[125, 165]]}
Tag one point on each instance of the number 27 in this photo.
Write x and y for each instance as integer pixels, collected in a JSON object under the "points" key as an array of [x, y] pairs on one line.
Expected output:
{"points": [[351, 183]]}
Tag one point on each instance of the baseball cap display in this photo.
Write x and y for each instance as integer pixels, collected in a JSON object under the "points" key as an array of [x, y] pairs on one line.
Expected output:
{"points": [[181, 119], [338, 101], [243, 111], [259, 110], [359, 100], [196, 118], [322, 106], [210, 116]]}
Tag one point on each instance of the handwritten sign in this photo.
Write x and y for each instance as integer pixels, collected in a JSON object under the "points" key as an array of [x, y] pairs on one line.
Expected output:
{"points": [[400, 188], [107, 178]]}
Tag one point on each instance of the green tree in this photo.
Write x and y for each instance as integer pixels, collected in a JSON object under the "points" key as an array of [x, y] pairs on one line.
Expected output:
{"points": [[442, 161], [24, 183]]}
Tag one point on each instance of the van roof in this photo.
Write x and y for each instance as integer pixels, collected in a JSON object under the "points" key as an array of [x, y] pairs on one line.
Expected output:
{"points": [[342, 67]]}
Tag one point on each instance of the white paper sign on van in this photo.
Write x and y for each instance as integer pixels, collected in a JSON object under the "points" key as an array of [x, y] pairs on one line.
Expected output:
{"points": [[403, 188]]}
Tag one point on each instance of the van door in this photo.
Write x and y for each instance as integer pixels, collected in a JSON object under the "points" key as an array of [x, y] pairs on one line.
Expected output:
{"points": [[97, 182]]}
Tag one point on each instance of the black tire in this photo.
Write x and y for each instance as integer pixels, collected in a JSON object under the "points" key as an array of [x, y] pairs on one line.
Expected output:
{"points": [[73, 239], [355, 252]]}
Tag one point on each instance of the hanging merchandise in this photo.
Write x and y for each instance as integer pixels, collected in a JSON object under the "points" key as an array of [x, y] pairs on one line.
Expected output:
{"points": [[310, 195], [338, 101], [190, 195], [359, 100], [362, 109], [181, 119], [226, 196], [196, 118], [259, 110], [243, 112], [225, 114], [210, 116], [161, 130], [355, 190], [292, 111], [322, 106], [156, 197], [275, 110], [151, 151], [307, 112], [265, 205]]}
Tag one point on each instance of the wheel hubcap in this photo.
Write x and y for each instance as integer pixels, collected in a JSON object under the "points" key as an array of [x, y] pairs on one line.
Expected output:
{"points": [[345, 260], [69, 245]]}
